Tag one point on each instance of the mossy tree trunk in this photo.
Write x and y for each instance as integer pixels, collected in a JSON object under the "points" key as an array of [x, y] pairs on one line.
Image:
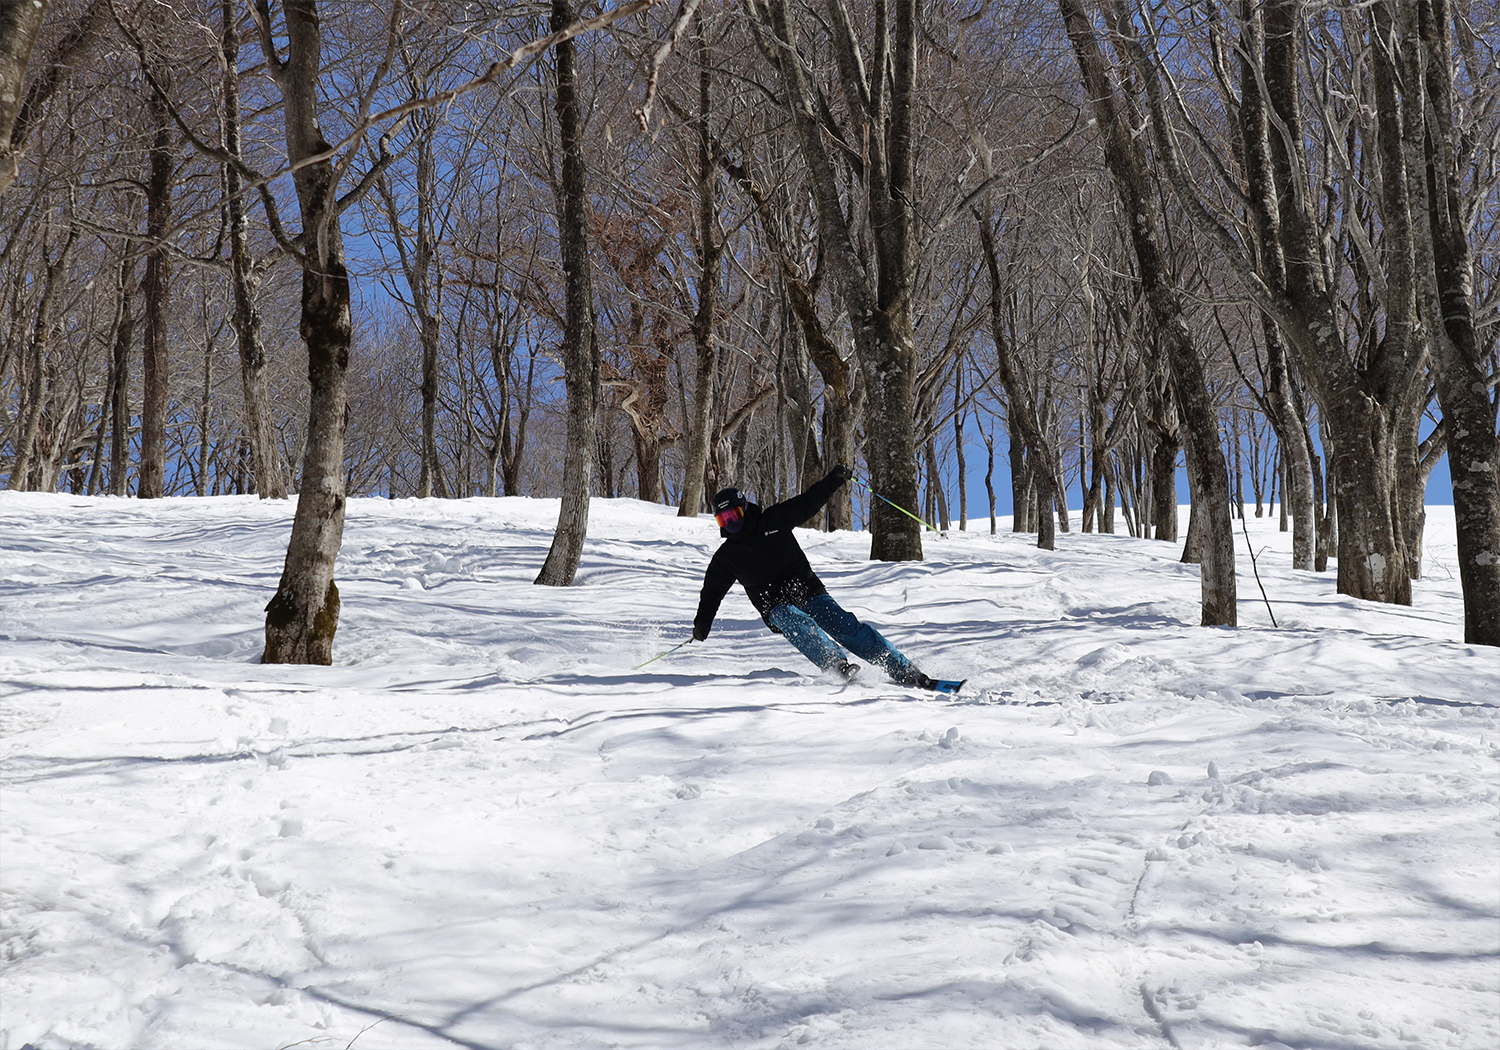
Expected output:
{"points": [[304, 613]]}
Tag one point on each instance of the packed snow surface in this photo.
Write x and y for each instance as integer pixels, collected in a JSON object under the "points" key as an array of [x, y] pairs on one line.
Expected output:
{"points": [[483, 828]]}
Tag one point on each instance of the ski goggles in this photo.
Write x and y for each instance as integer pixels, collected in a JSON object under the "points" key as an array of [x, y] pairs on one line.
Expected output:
{"points": [[729, 516]]}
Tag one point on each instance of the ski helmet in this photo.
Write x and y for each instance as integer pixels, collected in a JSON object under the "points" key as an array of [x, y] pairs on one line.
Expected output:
{"points": [[726, 498]]}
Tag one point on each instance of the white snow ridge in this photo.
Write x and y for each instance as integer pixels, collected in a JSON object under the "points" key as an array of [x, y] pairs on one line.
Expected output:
{"points": [[481, 828]]}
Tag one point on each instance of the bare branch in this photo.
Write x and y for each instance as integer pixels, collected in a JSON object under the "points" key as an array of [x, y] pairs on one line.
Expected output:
{"points": [[659, 57]]}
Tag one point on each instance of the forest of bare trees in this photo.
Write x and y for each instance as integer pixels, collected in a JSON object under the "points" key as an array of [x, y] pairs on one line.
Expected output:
{"points": [[412, 248]]}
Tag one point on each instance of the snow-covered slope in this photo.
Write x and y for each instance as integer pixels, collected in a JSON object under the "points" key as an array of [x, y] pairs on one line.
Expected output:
{"points": [[482, 828]]}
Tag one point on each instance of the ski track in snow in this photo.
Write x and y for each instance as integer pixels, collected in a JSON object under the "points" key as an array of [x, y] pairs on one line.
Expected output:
{"points": [[482, 828]]}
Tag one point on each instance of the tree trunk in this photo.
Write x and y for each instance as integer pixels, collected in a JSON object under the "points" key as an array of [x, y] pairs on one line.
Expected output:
{"points": [[989, 474], [1372, 562], [1459, 360], [513, 449], [1399, 102], [580, 350], [1162, 425], [270, 478], [1327, 506], [430, 478], [939, 498], [205, 403], [1279, 478], [1192, 544], [1020, 479], [1299, 501], [424, 282], [19, 25], [35, 401], [1408, 508], [303, 615], [700, 426], [958, 449], [118, 371], [119, 434], [155, 289], [111, 378], [647, 468], [1107, 520]]}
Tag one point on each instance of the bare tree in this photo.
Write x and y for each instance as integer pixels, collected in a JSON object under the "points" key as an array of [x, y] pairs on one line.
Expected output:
{"points": [[419, 219], [1358, 394], [1255, 131], [801, 290], [246, 273], [161, 167], [1019, 397], [710, 249], [55, 270], [303, 615], [879, 90], [1207, 469], [637, 371], [580, 349], [1464, 373]]}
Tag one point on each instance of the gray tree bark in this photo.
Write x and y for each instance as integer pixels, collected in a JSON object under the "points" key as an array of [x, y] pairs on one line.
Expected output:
{"points": [[1464, 377], [19, 25], [119, 433], [245, 275], [155, 290], [580, 349], [710, 248], [20, 22], [118, 367], [303, 616]]}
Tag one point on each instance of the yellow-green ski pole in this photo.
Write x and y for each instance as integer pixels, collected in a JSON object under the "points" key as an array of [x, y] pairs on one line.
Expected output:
{"points": [[669, 652], [903, 510]]}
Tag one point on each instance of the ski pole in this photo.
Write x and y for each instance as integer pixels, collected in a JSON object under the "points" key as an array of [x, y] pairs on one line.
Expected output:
{"points": [[903, 510], [669, 652]]}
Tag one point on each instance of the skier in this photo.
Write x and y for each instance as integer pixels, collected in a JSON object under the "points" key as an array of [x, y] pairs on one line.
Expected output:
{"points": [[760, 551]]}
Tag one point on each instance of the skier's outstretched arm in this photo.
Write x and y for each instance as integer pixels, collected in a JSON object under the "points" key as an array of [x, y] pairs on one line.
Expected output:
{"points": [[716, 583], [798, 509]]}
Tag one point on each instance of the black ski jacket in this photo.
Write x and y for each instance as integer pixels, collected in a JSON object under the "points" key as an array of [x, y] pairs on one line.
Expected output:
{"points": [[765, 557]]}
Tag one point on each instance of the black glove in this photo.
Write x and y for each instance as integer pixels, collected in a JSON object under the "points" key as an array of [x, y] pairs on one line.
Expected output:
{"points": [[841, 473], [700, 633]]}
